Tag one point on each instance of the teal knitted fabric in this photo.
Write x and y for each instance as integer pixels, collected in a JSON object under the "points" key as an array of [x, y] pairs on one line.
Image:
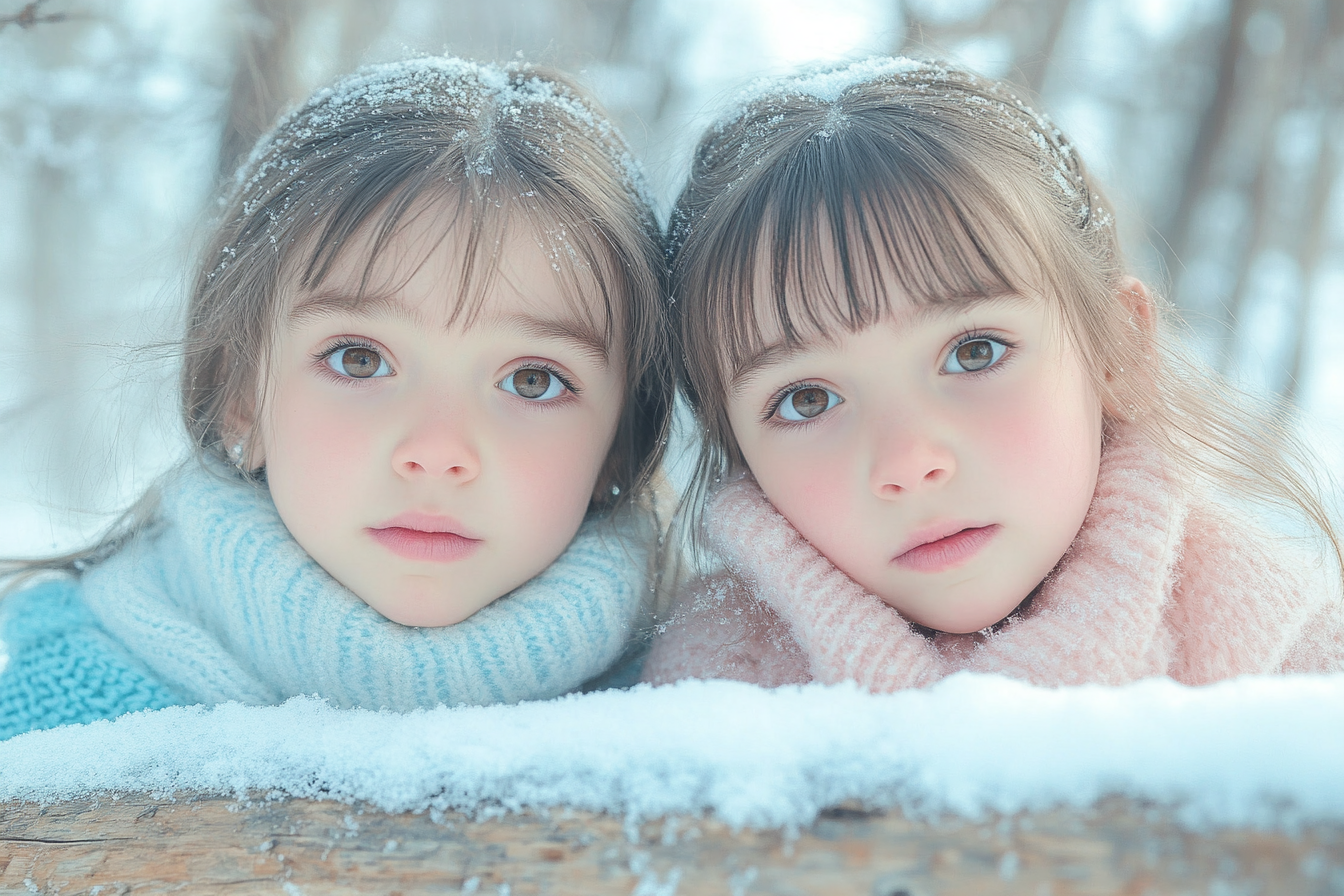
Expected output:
{"points": [[215, 601], [62, 668]]}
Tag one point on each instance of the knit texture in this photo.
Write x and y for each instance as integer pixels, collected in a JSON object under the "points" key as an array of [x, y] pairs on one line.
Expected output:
{"points": [[1154, 584], [62, 668], [217, 602]]}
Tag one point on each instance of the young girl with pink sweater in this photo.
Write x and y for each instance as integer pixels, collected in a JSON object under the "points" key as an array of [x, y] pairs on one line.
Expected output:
{"points": [[944, 429]]}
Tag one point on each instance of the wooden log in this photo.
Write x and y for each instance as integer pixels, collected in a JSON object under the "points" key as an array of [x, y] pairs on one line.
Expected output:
{"points": [[142, 845]]}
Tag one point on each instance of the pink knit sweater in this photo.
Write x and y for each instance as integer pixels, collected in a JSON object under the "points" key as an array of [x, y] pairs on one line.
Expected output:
{"points": [[1154, 584]]}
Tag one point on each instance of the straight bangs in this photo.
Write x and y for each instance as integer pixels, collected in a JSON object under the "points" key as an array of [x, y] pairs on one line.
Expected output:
{"points": [[851, 226]]}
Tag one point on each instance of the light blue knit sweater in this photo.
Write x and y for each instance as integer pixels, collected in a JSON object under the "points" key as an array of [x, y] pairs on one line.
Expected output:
{"points": [[216, 602]]}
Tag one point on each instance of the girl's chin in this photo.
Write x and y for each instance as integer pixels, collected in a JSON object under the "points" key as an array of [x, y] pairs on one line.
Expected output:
{"points": [[964, 629], [965, 622], [423, 617], [420, 605]]}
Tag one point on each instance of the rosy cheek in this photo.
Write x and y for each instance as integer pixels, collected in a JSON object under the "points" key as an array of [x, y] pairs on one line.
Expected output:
{"points": [[1021, 441], [821, 489], [1048, 446], [808, 487], [549, 480], [325, 440]]}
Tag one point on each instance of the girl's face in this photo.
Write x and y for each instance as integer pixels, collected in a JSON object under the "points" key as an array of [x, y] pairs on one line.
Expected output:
{"points": [[434, 467], [943, 458]]}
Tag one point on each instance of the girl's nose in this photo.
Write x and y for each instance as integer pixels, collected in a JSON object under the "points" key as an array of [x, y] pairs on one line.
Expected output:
{"points": [[437, 449], [910, 462]]}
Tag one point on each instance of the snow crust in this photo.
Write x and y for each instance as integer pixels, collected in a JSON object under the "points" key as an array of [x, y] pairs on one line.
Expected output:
{"points": [[1260, 750], [826, 83]]}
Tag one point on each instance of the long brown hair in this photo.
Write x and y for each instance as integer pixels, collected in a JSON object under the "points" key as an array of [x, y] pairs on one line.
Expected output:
{"points": [[495, 143], [949, 185]]}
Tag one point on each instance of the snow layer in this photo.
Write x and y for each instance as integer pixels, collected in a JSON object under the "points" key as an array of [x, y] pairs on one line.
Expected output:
{"points": [[1260, 750], [823, 82]]}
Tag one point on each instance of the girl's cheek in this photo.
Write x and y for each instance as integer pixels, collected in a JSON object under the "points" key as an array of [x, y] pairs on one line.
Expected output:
{"points": [[555, 468], [821, 482], [1050, 438], [548, 470], [806, 483], [1019, 434], [329, 437]]}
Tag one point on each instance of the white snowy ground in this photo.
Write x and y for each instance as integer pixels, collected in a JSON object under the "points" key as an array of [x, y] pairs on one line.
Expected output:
{"points": [[1262, 751]]}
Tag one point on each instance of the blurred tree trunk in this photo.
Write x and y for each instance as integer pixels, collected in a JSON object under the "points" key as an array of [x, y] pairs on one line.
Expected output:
{"points": [[1290, 103], [270, 57], [1270, 89], [1214, 123], [61, 252], [263, 81], [1034, 66], [56, 232], [1032, 28], [1322, 89]]}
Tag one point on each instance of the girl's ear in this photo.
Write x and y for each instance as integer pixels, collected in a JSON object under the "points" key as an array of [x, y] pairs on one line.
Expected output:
{"points": [[1140, 303], [242, 440], [1139, 330], [1130, 382]]}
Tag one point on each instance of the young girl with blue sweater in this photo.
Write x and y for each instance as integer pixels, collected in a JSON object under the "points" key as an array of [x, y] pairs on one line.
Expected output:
{"points": [[425, 383]]}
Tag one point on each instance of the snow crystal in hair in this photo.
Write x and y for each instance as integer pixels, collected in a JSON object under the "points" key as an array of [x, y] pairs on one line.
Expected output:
{"points": [[826, 83]]}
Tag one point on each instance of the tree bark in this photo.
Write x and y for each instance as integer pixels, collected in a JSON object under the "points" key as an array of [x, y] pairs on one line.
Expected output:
{"points": [[140, 845]]}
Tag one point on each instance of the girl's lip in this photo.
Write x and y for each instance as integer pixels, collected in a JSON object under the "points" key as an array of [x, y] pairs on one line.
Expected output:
{"points": [[426, 522], [436, 547], [944, 547], [426, 537]]}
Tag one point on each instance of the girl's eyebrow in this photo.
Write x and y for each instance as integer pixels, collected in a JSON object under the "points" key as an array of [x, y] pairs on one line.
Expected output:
{"points": [[781, 351], [326, 304], [579, 333], [762, 359]]}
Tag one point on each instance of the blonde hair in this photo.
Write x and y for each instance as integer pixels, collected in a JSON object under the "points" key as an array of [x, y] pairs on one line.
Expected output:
{"points": [[951, 186], [494, 142]]}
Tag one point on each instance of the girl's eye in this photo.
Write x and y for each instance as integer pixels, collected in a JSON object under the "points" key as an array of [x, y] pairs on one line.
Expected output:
{"points": [[534, 384], [806, 402], [358, 362], [974, 355]]}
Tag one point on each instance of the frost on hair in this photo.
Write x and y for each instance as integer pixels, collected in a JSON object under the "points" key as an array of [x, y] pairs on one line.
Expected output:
{"points": [[753, 119], [826, 83], [424, 88]]}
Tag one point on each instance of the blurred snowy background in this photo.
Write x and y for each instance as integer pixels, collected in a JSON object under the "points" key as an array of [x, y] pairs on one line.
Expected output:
{"points": [[1218, 126]]}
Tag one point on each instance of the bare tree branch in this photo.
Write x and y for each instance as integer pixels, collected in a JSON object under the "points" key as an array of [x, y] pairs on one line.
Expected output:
{"points": [[29, 16]]}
